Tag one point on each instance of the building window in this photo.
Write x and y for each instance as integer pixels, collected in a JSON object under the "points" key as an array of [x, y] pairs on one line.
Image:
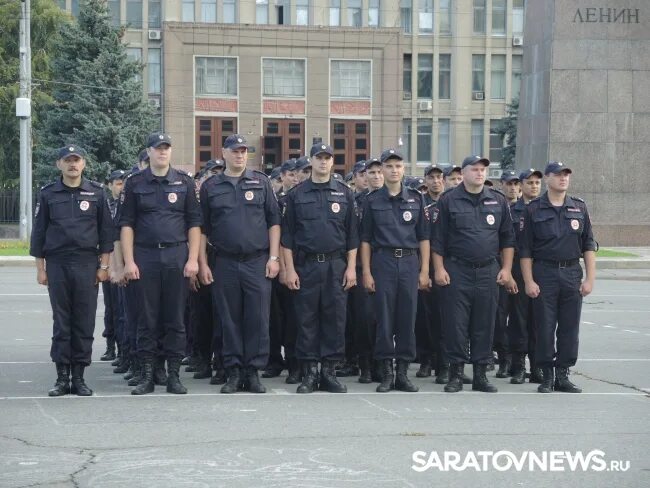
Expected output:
{"points": [[261, 11], [498, 17], [154, 14], [373, 13], [134, 13], [496, 143], [229, 11], [425, 129], [477, 137], [498, 77], [135, 54], [516, 75], [351, 79], [478, 72], [445, 17], [216, 76], [406, 138], [302, 12], [443, 142], [114, 8], [425, 16], [479, 16], [335, 12], [354, 13], [425, 75], [407, 76], [209, 11], [284, 77], [444, 76], [153, 70], [406, 14], [283, 9], [187, 12], [74, 8], [518, 16]]}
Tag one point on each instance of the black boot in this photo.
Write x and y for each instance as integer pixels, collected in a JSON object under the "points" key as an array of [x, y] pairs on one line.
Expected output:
{"points": [[294, 372], [136, 372], [466, 379], [518, 369], [174, 384], [442, 374], [490, 365], [402, 382], [252, 381], [365, 376], [125, 364], [79, 386], [536, 375], [425, 368], [272, 370], [349, 368], [455, 383], [109, 355], [480, 382], [118, 356], [192, 363], [387, 377], [219, 377], [547, 381], [203, 370], [159, 372], [62, 385], [234, 382], [504, 366], [328, 378], [562, 382], [309, 377], [146, 384]]}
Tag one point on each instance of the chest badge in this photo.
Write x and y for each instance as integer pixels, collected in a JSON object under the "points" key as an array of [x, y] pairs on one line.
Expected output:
{"points": [[249, 195], [575, 224], [407, 216], [490, 219], [336, 208], [172, 197], [84, 205]]}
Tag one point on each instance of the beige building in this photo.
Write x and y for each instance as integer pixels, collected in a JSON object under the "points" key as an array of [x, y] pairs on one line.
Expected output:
{"points": [[434, 76]]}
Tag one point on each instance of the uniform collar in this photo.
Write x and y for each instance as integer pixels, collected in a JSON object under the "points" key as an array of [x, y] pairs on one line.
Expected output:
{"points": [[545, 202], [310, 185], [172, 175], [84, 185], [246, 175], [483, 194], [403, 194]]}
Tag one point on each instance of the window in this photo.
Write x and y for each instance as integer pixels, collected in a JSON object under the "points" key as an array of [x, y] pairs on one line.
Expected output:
{"points": [[154, 14], [351, 79], [518, 16], [134, 13], [444, 76], [479, 16], [445, 17], [407, 75], [284, 77], [187, 12], [115, 11], [425, 16], [478, 72], [406, 13], [498, 78], [283, 9], [477, 137], [516, 75], [498, 17], [302, 12], [216, 76], [354, 13], [373, 13], [153, 70], [209, 11], [74, 8], [335, 12], [229, 12], [425, 75], [134, 54], [425, 128], [261, 11], [443, 141], [496, 143], [406, 138]]}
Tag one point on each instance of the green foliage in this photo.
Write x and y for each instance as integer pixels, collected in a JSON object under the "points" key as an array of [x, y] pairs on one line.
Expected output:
{"points": [[508, 132]]}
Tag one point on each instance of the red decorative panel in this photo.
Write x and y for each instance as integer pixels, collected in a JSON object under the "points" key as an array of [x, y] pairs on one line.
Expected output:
{"points": [[349, 107], [283, 107], [215, 105]]}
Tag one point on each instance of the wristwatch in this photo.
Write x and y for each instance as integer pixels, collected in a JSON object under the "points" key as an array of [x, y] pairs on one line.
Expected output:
{"points": [[274, 258], [104, 267]]}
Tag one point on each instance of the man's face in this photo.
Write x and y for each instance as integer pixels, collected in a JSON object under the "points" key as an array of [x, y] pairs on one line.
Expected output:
{"points": [[116, 187], [321, 164], [474, 174], [289, 179], [72, 166], [393, 170], [236, 158], [512, 189], [160, 156], [558, 182], [360, 181], [276, 184], [531, 187], [454, 179], [375, 177], [435, 182]]}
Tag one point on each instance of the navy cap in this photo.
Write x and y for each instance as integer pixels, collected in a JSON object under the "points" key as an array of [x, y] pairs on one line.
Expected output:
{"points": [[509, 175], [556, 167], [349, 176], [157, 138], [372, 162], [275, 173], [524, 175], [337, 176], [215, 164], [71, 150], [488, 183], [390, 153], [302, 163], [472, 160], [432, 167], [235, 141], [359, 167], [450, 169], [289, 165], [321, 148], [415, 182], [118, 174]]}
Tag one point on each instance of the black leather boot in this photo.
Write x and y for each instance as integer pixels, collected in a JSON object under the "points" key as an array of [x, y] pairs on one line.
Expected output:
{"points": [[309, 377], [118, 355], [480, 382], [349, 368], [272, 370], [174, 384], [387, 377], [536, 375], [62, 385], [504, 366], [518, 369], [293, 378], [455, 383], [219, 377], [124, 366], [109, 355], [203, 370], [402, 382], [328, 378], [192, 363], [252, 381], [442, 374], [78, 385], [136, 372], [562, 382], [365, 375], [547, 381], [146, 384], [425, 368], [159, 372], [234, 382]]}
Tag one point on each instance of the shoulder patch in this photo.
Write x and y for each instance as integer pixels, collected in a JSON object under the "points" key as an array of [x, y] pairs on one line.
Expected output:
{"points": [[47, 185], [180, 171], [96, 184], [260, 173], [497, 190], [577, 199]]}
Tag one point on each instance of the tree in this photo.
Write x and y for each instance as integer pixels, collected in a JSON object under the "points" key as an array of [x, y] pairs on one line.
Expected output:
{"points": [[98, 98], [46, 19], [508, 131]]}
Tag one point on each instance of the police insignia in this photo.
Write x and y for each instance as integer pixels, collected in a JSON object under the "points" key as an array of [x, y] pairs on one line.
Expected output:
{"points": [[84, 205], [521, 223], [490, 219], [336, 208], [407, 216], [434, 217], [172, 197]]}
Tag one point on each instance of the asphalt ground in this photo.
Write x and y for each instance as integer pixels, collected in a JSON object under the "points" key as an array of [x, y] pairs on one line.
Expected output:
{"points": [[281, 439]]}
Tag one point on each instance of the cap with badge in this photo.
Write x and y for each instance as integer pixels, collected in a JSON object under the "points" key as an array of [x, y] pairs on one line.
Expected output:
{"points": [[450, 169], [509, 175], [359, 167], [390, 153], [337, 176], [372, 162], [415, 183], [524, 175], [158, 138], [472, 160], [302, 163], [71, 150], [348, 177], [321, 148], [431, 168], [275, 173], [235, 141], [289, 165], [214, 164], [117, 174], [556, 167]]}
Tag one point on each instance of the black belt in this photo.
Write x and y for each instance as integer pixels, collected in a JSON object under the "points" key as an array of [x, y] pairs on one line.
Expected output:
{"points": [[242, 256], [324, 256], [397, 252], [160, 245], [558, 264], [472, 264]]}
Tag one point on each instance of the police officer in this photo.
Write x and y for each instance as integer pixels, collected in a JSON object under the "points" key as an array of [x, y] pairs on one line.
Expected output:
{"points": [[319, 241], [472, 225], [72, 227], [554, 233], [160, 219], [453, 176], [303, 169], [241, 220], [394, 230], [276, 179]]}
